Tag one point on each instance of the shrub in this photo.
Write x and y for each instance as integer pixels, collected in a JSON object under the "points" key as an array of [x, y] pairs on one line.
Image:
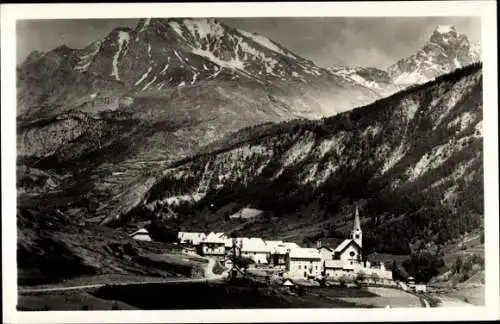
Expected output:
{"points": [[343, 281]]}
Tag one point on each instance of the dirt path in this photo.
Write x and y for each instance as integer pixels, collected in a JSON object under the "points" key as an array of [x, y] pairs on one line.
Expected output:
{"points": [[94, 286], [209, 273]]}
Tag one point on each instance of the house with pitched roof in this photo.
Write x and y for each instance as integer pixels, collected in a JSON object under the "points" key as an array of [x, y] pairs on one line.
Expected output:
{"points": [[191, 238], [326, 253], [255, 249], [304, 263], [279, 251], [213, 246], [141, 235]]}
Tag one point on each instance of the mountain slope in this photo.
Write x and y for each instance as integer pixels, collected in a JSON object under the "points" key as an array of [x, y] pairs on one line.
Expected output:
{"points": [[168, 53], [110, 117], [413, 161]]}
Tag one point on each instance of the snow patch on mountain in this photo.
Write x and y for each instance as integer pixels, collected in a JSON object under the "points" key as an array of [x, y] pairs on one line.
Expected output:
{"points": [[204, 28], [164, 69], [144, 76], [266, 42], [148, 84], [177, 28], [408, 78], [195, 76], [444, 29], [122, 38], [144, 26], [86, 59], [233, 64]]}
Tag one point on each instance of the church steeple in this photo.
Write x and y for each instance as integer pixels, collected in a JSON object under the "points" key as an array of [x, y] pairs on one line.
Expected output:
{"points": [[357, 234]]}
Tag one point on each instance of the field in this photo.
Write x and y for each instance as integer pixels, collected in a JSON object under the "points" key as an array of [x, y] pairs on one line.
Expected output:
{"points": [[382, 297], [68, 300], [195, 295]]}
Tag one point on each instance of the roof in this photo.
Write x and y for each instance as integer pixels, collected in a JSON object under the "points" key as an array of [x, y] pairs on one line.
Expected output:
{"points": [[247, 213], [213, 238], [357, 225], [325, 247], [191, 235], [345, 244], [221, 235], [280, 249], [228, 243], [273, 244], [305, 253], [291, 245], [330, 242], [254, 245], [140, 231], [334, 264], [288, 282]]}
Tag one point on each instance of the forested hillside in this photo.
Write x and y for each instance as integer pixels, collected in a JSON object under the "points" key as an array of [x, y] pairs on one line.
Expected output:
{"points": [[412, 162]]}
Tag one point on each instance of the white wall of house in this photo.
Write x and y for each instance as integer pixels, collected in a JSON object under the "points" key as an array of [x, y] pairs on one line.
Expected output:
{"points": [[258, 257], [213, 248], [301, 268], [337, 273], [325, 253], [350, 254], [142, 237]]}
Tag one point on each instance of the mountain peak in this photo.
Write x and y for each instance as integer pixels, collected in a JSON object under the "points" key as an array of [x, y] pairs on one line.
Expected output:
{"points": [[445, 51], [445, 29]]}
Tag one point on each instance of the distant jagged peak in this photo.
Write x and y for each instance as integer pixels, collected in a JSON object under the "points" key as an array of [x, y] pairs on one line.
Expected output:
{"points": [[447, 35], [445, 51], [445, 29], [198, 27]]}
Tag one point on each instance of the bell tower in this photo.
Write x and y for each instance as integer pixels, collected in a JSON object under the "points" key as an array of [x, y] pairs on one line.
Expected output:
{"points": [[357, 234]]}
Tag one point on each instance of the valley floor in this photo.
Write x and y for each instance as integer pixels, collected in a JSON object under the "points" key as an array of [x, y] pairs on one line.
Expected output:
{"points": [[193, 295], [462, 296]]}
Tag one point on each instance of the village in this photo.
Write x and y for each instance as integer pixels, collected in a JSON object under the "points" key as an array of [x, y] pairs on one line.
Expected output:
{"points": [[289, 261]]}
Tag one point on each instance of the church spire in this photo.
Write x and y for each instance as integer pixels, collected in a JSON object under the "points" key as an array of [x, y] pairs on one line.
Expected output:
{"points": [[357, 225], [357, 234]]}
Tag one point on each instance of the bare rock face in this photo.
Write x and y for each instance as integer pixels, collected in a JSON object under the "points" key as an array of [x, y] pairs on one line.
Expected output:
{"points": [[161, 54], [445, 51]]}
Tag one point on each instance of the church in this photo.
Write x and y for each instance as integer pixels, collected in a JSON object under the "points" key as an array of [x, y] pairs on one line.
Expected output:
{"points": [[347, 258], [347, 255]]}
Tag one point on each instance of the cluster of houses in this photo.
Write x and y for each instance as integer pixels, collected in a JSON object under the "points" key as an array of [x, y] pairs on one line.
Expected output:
{"points": [[294, 261]]}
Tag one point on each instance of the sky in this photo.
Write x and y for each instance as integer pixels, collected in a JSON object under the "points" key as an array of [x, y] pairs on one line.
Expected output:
{"points": [[327, 41]]}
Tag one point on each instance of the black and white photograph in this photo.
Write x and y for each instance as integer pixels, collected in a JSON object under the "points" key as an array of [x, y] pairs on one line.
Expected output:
{"points": [[264, 162]]}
